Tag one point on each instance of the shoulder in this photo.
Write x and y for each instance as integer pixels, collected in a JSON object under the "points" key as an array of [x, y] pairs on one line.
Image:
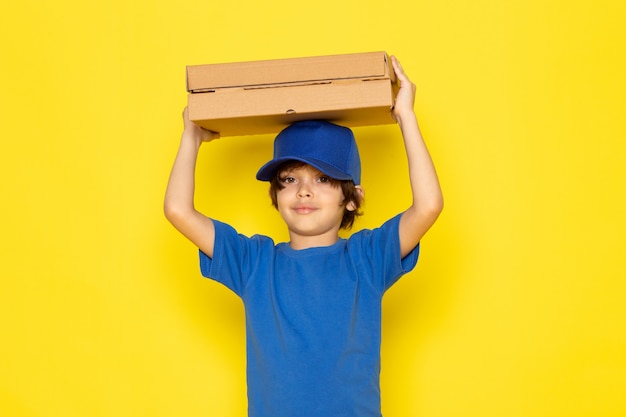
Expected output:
{"points": [[228, 239], [226, 230], [389, 228], [377, 242]]}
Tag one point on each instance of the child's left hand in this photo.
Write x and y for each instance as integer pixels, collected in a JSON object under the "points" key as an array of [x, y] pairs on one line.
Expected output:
{"points": [[405, 99]]}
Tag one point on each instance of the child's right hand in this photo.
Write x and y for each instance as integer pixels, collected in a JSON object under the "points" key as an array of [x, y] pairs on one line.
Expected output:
{"points": [[196, 132], [405, 98]]}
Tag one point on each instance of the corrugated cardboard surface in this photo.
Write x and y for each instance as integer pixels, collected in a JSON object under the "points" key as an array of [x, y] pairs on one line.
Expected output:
{"points": [[265, 96]]}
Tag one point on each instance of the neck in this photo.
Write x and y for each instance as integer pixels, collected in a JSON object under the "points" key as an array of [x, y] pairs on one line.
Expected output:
{"points": [[299, 242]]}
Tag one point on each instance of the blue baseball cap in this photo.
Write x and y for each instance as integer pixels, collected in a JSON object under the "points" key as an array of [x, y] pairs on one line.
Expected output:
{"points": [[328, 147]]}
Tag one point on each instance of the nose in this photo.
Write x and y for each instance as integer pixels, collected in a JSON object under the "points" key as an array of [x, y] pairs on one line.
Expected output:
{"points": [[304, 190]]}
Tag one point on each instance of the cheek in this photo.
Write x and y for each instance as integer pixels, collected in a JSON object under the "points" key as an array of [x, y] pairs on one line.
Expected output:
{"points": [[281, 199], [335, 195]]}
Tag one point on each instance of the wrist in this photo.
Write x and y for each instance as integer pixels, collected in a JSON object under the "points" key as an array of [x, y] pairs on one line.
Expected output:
{"points": [[189, 138], [404, 115]]}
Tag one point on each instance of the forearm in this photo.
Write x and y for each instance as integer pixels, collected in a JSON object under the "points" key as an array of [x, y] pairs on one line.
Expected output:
{"points": [[427, 198], [179, 196], [425, 188]]}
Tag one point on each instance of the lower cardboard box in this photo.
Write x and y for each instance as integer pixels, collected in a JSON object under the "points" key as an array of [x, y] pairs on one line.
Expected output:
{"points": [[269, 109]]}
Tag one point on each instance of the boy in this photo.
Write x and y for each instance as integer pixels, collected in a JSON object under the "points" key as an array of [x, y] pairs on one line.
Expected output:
{"points": [[313, 305]]}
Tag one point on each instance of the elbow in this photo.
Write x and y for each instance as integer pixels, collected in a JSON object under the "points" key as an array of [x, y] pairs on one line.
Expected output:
{"points": [[169, 211], [437, 206], [432, 209], [173, 212]]}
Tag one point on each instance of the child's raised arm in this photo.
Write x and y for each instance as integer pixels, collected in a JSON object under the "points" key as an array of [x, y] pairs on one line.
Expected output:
{"points": [[179, 197], [427, 196]]}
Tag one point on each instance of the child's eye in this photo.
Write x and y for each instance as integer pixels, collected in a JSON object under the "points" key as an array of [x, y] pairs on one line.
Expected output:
{"points": [[324, 179], [287, 180]]}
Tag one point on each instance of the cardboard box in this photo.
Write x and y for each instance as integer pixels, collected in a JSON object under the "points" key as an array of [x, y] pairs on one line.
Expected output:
{"points": [[265, 96]]}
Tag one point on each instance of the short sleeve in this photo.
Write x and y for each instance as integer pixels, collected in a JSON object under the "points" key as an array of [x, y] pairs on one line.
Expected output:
{"points": [[235, 257], [378, 253]]}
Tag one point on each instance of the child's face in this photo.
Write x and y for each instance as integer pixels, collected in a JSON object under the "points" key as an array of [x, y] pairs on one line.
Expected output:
{"points": [[311, 203]]}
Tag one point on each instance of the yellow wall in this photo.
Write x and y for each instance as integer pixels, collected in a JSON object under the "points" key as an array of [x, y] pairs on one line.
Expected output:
{"points": [[517, 305]]}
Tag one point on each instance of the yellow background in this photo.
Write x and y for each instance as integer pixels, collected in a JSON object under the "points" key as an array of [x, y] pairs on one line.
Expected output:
{"points": [[517, 306]]}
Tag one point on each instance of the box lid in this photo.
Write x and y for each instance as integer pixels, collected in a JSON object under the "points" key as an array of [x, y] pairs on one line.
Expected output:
{"points": [[369, 65]]}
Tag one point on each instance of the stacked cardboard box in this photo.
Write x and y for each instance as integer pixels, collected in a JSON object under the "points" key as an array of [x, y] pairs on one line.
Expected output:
{"points": [[265, 96]]}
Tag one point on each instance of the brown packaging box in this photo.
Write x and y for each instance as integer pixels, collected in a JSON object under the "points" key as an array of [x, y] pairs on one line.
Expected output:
{"points": [[265, 96]]}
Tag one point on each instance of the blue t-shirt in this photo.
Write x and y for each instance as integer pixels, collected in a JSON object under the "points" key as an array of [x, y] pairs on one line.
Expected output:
{"points": [[313, 318]]}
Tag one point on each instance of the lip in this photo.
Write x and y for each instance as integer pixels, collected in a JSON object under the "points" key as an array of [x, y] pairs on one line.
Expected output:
{"points": [[304, 209]]}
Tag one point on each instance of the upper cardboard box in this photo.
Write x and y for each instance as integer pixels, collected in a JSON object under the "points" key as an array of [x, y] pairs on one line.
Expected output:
{"points": [[265, 96]]}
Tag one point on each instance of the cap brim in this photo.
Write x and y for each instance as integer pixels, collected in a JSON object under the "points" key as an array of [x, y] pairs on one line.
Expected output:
{"points": [[268, 171]]}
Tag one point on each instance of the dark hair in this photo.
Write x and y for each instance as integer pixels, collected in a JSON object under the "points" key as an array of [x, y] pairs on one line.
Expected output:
{"points": [[350, 193]]}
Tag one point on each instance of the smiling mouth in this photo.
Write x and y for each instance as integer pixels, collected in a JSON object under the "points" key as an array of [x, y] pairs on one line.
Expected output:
{"points": [[304, 210]]}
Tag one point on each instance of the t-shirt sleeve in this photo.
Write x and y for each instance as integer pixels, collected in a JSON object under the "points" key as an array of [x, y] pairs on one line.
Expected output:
{"points": [[381, 253], [235, 257]]}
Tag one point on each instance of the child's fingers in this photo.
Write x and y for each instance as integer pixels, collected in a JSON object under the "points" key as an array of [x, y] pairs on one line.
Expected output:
{"points": [[206, 135], [397, 67], [395, 62], [214, 135], [203, 134]]}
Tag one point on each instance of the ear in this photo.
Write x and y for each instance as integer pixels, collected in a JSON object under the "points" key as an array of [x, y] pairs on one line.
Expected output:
{"points": [[360, 192]]}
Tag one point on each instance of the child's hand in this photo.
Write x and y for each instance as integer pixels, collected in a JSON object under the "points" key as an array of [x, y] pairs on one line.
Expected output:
{"points": [[198, 133], [406, 95]]}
